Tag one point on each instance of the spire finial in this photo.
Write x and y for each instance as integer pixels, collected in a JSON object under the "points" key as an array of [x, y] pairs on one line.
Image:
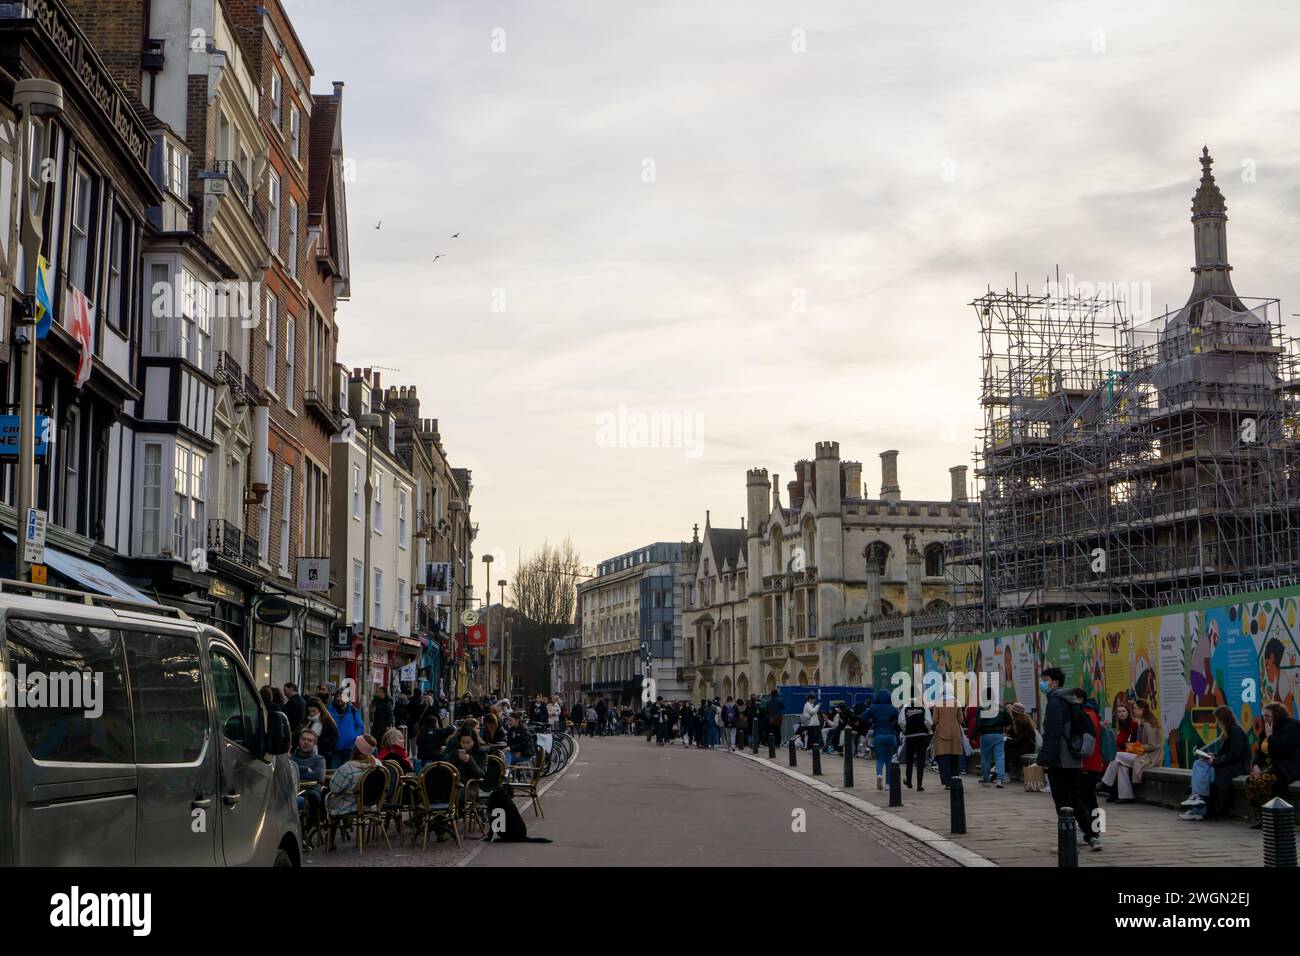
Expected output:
{"points": [[1208, 198]]}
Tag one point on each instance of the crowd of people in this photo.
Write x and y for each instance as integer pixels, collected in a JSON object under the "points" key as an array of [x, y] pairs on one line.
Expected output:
{"points": [[337, 743], [1081, 756]]}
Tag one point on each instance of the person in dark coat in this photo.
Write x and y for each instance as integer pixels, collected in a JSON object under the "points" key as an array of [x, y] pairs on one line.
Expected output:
{"points": [[295, 706], [320, 722], [1212, 777], [381, 713], [774, 712], [1277, 759]]}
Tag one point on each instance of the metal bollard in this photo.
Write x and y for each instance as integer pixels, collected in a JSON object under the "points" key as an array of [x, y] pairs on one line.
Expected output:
{"points": [[1067, 849], [847, 740], [957, 795], [771, 748], [895, 787], [794, 759], [817, 759], [1279, 833], [753, 742]]}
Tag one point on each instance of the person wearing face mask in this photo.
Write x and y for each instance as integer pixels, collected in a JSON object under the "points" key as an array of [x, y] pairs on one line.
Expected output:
{"points": [[1063, 766]]}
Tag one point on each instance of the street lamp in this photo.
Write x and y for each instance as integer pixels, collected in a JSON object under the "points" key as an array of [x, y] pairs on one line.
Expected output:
{"points": [[487, 615], [31, 98], [505, 650], [369, 422]]}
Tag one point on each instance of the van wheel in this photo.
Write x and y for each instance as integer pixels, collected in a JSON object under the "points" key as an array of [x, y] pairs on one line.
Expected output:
{"points": [[282, 858]]}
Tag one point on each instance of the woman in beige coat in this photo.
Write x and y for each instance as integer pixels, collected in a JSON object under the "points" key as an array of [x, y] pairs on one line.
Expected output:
{"points": [[949, 732], [1128, 766]]}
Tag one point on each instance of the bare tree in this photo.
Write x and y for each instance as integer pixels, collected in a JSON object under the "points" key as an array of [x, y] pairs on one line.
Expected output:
{"points": [[544, 592]]}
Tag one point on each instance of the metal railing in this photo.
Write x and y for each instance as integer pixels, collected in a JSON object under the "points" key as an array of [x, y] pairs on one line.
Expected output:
{"points": [[229, 542], [234, 175]]}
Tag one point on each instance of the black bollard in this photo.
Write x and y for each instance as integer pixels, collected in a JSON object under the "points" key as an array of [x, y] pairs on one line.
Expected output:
{"points": [[753, 742], [771, 748], [1067, 849], [847, 741], [895, 787], [1279, 833], [794, 759], [957, 795], [817, 759]]}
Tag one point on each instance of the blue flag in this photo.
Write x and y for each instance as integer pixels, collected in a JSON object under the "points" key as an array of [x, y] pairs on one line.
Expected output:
{"points": [[44, 311]]}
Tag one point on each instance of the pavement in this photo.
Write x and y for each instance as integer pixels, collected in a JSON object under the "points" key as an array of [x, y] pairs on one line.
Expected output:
{"points": [[1011, 827]]}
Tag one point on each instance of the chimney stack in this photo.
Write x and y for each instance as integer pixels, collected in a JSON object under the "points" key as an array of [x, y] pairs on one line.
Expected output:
{"points": [[889, 476], [776, 491], [958, 473]]}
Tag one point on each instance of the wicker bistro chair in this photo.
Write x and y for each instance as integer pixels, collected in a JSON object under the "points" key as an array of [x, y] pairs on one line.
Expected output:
{"points": [[478, 791], [524, 778], [437, 799], [394, 806], [368, 812]]}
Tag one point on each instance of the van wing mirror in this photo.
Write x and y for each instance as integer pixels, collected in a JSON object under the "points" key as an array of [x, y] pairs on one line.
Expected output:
{"points": [[277, 733]]}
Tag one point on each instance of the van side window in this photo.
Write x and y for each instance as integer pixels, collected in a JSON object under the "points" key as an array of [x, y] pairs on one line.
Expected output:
{"points": [[171, 719], [64, 685], [237, 705]]}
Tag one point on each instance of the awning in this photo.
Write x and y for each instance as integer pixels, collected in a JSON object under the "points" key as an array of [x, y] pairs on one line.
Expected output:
{"points": [[94, 577]]}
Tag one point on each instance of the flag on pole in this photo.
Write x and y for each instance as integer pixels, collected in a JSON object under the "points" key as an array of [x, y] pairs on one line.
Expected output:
{"points": [[44, 311], [81, 331]]}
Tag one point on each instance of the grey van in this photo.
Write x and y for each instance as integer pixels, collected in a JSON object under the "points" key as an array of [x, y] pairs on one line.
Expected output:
{"points": [[165, 757]]}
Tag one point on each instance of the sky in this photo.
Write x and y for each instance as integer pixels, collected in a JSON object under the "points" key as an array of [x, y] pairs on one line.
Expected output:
{"points": [[756, 225]]}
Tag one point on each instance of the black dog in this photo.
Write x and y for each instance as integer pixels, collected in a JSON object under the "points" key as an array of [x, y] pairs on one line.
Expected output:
{"points": [[516, 831]]}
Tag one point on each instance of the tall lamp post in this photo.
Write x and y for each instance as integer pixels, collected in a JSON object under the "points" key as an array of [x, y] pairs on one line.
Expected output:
{"points": [[31, 98], [369, 422], [505, 650], [487, 613]]}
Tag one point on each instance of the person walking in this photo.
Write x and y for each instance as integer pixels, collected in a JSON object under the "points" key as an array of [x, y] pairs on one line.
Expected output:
{"points": [[882, 718], [1091, 771], [1063, 766], [729, 713], [593, 720], [774, 712], [347, 718], [992, 729], [742, 724], [917, 724], [949, 735]]}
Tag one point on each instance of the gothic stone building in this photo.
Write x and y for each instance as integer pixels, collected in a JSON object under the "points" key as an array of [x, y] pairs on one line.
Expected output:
{"points": [[782, 599]]}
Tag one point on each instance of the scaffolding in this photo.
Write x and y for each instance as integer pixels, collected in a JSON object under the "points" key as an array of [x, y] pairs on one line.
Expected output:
{"points": [[1128, 465]]}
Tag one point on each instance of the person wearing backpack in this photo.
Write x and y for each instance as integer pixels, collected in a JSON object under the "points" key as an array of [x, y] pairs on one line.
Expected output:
{"points": [[1092, 768], [1060, 754], [729, 724]]}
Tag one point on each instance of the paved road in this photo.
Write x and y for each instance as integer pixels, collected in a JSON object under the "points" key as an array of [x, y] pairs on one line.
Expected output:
{"points": [[628, 803]]}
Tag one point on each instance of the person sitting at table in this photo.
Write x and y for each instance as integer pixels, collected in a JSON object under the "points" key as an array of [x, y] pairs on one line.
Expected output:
{"points": [[429, 741], [521, 744], [392, 748], [311, 769], [344, 782], [493, 732]]}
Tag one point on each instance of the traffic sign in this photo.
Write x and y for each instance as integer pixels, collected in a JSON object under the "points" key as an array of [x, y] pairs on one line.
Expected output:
{"points": [[34, 537]]}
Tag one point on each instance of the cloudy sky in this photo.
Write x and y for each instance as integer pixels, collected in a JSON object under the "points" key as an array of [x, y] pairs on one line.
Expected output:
{"points": [[761, 223]]}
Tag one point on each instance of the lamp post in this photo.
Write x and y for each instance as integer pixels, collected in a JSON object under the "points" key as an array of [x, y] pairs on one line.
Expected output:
{"points": [[31, 98], [487, 616], [369, 422], [505, 650]]}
